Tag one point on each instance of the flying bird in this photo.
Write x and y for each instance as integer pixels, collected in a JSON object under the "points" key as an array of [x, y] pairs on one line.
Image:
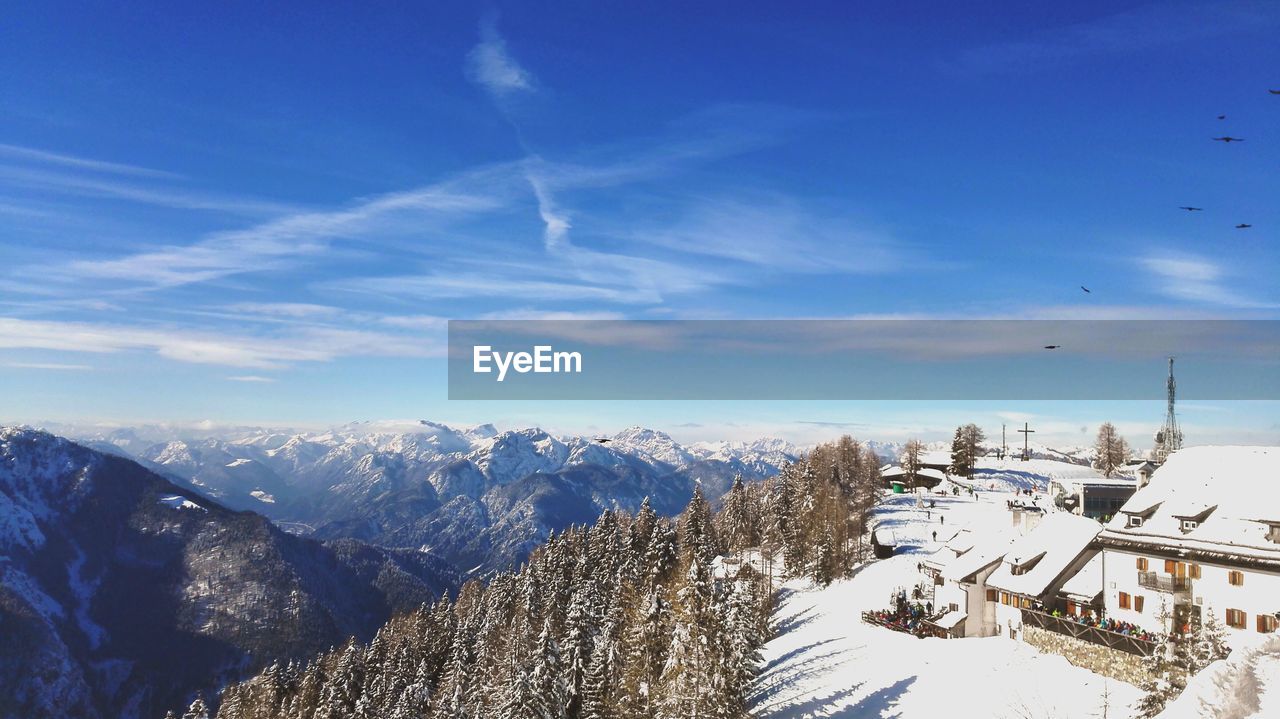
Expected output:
{"points": [[603, 440], [1191, 209], [1222, 117], [1229, 139], [1086, 289], [1243, 226], [1274, 92], [1052, 347]]}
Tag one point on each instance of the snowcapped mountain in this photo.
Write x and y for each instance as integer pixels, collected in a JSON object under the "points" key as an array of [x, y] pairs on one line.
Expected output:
{"points": [[121, 593], [476, 496]]}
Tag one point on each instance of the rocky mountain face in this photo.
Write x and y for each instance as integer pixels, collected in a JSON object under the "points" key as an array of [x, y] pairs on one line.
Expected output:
{"points": [[478, 498], [121, 593]]}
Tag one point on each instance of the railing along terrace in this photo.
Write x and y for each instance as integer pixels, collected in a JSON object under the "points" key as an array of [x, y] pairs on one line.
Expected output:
{"points": [[1093, 635], [1164, 582]]}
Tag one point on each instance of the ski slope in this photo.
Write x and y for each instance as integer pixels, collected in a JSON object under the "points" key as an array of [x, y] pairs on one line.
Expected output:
{"points": [[825, 662]]}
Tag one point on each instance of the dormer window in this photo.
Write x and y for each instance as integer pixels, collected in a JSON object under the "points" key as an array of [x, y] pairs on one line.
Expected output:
{"points": [[1188, 525], [1135, 520], [1273, 533]]}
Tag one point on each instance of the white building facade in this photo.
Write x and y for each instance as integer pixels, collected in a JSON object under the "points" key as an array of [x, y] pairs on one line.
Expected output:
{"points": [[1203, 536]]}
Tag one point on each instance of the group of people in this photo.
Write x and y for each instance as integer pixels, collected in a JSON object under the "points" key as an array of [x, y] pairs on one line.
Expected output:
{"points": [[906, 616], [1110, 625]]}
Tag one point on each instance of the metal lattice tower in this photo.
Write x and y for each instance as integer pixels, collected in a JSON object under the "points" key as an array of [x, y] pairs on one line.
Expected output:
{"points": [[1169, 438]]}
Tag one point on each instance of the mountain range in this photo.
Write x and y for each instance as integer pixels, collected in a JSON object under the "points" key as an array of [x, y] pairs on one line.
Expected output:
{"points": [[476, 497], [121, 592]]}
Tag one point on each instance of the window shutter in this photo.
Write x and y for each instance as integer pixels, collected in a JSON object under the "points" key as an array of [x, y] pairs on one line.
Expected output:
{"points": [[1169, 566], [1137, 603]]}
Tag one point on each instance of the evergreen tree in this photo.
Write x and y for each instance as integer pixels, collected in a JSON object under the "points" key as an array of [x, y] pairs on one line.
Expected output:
{"points": [[911, 459], [197, 709]]}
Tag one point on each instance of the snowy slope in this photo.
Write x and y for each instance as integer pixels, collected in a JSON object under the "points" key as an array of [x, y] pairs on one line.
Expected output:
{"points": [[825, 662], [1245, 685]]}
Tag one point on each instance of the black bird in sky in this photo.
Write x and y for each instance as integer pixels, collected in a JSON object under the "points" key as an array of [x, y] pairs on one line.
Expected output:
{"points": [[1229, 139], [1052, 347], [1243, 226], [603, 440], [1086, 289], [1191, 209], [1274, 92], [1222, 117]]}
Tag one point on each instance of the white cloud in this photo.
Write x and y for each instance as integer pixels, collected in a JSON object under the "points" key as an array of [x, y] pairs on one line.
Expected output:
{"points": [[1197, 279], [49, 366], [117, 189], [80, 163], [491, 66], [310, 344], [250, 378]]}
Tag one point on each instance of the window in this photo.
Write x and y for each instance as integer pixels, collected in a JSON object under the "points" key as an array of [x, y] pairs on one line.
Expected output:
{"points": [[1267, 623], [1236, 618], [1189, 524], [1194, 571], [1025, 602], [954, 607], [1124, 600], [1137, 603], [1170, 566], [1274, 534], [1005, 599], [1135, 520], [1235, 579], [991, 595], [1142, 564]]}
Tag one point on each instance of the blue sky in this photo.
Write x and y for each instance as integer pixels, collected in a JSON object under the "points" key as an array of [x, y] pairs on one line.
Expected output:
{"points": [[246, 215]]}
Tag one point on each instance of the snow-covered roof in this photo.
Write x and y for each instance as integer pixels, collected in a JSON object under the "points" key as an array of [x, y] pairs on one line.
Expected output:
{"points": [[984, 553], [885, 537], [925, 472], [1055, 543], [1086, 584], [937, 457], [950, 619], [1240, 485]]}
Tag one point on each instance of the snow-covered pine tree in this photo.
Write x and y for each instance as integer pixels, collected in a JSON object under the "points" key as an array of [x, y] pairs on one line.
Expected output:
{"points": [[1158, 687], [965, 446], [597, 695], [1209, 642], [736, 522], [341, 693], [197, 709]]}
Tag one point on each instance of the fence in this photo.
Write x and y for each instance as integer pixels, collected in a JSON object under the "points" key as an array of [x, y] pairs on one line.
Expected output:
{"points": [[1084, 632]]}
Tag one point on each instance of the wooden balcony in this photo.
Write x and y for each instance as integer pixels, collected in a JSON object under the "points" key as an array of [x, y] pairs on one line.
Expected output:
{"points": [[1084, 632], [1164, 582]]}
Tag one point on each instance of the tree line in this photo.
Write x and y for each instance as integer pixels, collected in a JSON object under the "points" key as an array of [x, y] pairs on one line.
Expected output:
{"points": [[634, 617]]}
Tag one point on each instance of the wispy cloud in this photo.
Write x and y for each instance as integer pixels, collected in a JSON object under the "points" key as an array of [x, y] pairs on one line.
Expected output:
{"points": [[311, 344], [31, 154], [250, 378], [266, 246], [491, 66], [58, 366], [1197, 279], [130, 191], [1138, 29]]}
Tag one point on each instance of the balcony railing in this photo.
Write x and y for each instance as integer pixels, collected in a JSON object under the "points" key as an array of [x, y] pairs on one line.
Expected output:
{"points": [[1164, 582], [1093, 635]]}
